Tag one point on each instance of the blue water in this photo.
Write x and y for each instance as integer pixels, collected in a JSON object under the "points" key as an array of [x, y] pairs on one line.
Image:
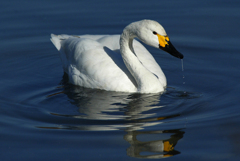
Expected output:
{"points": [[42, 117]]}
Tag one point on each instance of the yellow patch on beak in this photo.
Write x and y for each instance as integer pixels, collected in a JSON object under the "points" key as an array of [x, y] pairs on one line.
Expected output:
{"points": [[168, 146], [163, 40]]}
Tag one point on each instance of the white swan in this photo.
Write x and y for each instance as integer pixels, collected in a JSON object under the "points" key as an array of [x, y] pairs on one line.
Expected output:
{"points": [[114, 62]]}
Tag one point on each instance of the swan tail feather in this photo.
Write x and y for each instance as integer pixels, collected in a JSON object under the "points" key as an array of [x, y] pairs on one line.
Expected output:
{"points": [[56, 40]]}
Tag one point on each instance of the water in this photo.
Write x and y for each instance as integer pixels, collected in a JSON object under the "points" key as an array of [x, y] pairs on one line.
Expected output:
{"points": [[183, 71], [44, 118]]}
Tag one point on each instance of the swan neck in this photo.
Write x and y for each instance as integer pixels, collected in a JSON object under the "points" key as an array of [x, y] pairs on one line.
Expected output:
{"points": [[126, 40], [146, 81]]}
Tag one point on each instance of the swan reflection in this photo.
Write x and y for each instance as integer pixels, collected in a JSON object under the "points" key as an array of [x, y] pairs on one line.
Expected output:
{"points": [[100, 110], [161, 148]]}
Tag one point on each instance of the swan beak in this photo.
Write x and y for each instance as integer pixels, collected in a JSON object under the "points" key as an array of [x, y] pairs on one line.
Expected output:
{"points": [[166, 45]]}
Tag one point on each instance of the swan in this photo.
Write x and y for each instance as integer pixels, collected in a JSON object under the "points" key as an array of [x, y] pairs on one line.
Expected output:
{"points": [[116, 62]]}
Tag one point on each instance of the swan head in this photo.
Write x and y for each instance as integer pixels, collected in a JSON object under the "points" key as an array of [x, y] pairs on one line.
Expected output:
{"points": [[152, 33]]}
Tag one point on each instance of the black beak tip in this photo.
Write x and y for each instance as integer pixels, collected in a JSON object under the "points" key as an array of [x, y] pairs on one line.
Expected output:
{"points": [[180, 56], [176, 54], [171, 50]]}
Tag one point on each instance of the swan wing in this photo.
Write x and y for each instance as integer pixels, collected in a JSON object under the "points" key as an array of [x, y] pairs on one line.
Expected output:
{"points": [[91, 64], [112, 41], [149, 62], [146, 58]]}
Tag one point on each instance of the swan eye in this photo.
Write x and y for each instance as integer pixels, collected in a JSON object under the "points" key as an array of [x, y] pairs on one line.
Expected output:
{"points": [[155, 33]]}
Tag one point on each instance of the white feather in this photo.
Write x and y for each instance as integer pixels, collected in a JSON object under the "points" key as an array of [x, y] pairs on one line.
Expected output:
{"points": [[97, 61]]}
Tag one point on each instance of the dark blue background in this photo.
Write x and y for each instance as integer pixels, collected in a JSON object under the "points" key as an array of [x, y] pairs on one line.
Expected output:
{"points": [[44, 119]]}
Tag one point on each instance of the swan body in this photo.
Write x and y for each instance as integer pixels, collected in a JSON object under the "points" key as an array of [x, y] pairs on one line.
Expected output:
{"points": [[116, 62]]}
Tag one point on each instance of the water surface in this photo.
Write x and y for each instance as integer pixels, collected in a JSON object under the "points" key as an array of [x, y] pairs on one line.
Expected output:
{"points": [[43, 117]]}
